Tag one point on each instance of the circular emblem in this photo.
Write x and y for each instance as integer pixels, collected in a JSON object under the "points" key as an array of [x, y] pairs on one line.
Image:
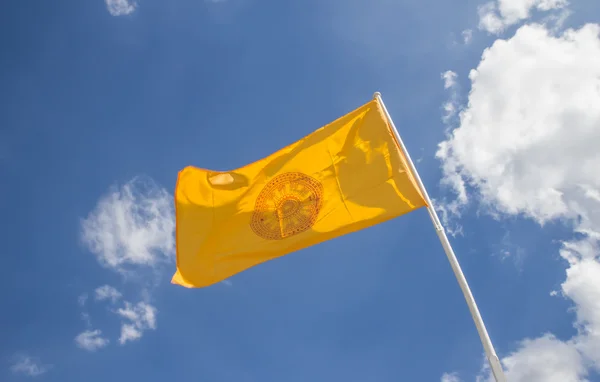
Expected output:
{"points": [[288, 205]]}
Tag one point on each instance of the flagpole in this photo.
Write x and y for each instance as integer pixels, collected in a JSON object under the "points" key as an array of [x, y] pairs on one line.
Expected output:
{"points": [[460, 277]]}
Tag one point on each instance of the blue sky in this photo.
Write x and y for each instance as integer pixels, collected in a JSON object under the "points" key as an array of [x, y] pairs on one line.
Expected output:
{"points": [[104, 102]]}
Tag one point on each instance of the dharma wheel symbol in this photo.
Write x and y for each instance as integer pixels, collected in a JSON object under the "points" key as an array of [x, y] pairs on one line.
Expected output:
{"points": [[288, 205]]}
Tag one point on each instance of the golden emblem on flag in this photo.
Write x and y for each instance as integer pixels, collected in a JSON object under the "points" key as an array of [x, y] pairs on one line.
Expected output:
{"points": [[289, 204]]}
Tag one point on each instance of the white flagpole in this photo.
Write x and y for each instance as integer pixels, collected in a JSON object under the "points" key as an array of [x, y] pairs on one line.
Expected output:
{"points": [[460, 277]]}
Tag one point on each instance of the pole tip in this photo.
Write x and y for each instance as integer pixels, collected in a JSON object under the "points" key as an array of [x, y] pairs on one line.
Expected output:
{"points": [[376, 95]]}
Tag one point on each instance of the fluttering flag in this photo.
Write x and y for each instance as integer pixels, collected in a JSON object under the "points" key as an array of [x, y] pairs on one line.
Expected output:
{"points": [[346, 176]]}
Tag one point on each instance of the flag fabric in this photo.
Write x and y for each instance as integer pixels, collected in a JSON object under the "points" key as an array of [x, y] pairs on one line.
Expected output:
{"points": [[346, 176]]}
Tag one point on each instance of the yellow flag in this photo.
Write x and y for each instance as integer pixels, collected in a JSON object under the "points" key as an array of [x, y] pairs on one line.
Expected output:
{"points": [[345, 176]]}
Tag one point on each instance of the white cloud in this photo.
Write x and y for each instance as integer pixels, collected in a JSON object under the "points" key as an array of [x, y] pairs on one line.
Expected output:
{"points": [[506, 249], [449, 78], [582, 286], [129, 333], [449, 212], [449, 110], [496, 16], [120, 7], [544, 359], [527, 145], [467, 36], [137, 319], [29, 366], [133, 225], [91, 340], [557, 20], [527, 141], [452, 377], [450, 107], [107, 292]]}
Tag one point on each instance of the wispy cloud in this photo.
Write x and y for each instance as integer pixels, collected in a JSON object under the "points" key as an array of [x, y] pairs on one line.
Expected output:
{"points": [[449, 78], [450, 377], [496, 16], [29, 366], [467, 36], [507, 249], [130, 229], [120, 7], [450, 109], [451, 106], [107, 292], [131, 226], [91, 340], [136, 319]]}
